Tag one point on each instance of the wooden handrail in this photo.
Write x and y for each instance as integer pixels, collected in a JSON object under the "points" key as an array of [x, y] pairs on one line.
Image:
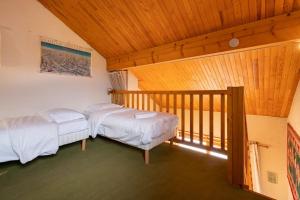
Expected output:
{"points": [[170, 92]]}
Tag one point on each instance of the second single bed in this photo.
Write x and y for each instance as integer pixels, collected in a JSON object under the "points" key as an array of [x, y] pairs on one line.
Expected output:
{"points": [[140, 129]]}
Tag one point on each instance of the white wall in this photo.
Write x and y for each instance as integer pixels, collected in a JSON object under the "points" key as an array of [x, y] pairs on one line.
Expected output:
{"points": [[271, 131], [132, 81], [23, 90], [294, 120]]}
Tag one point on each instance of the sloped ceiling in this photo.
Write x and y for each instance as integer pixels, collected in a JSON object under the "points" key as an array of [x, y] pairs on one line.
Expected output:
{"points": [[269, 75], [116, 27]]}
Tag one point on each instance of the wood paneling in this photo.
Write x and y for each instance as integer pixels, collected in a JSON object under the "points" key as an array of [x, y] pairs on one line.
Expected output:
{"points": [[123, 26], [269, 75], [260, 33]]}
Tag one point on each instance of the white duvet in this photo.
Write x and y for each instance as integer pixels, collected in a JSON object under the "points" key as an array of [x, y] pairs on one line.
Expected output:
{"points": [[26, 138], [123, 119]]}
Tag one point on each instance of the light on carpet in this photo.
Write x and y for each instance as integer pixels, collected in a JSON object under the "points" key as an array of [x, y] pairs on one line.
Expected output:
{"points": [[212, 153]]}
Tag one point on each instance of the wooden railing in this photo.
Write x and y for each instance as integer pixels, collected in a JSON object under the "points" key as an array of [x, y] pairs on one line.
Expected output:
{"points": [[196, 107], [247, 165], [188, 106]]}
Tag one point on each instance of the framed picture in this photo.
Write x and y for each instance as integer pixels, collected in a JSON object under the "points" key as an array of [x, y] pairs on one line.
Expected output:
{"points": [[62, 58], [293, 161]]}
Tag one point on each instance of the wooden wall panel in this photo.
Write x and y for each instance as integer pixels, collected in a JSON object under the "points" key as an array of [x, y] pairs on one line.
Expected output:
{"points": [[269, 75]]}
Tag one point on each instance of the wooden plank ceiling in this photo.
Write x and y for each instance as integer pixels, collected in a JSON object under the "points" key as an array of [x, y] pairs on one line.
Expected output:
{"points": [[282, 28], [120, 27], [269, 75]]}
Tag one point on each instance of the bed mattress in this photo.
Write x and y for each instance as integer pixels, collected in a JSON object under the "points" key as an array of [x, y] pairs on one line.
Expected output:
{"points": [[72, 126], [108, 132], [73, 137]]}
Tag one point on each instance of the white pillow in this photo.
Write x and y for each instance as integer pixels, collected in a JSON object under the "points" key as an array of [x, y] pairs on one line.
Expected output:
{"points": [[60, 115], [101, 106]]}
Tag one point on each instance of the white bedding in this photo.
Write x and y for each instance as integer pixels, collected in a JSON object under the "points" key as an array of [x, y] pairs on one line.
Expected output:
{"points": [[72, 126], [26, 138], [142, 115], [6, 151], [124, 120]]}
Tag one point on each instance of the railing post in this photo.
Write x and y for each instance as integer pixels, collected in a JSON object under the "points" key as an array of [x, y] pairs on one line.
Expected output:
{"points": [[112, 93], [182, 116], [127, 100], [235, 135], [211, 121]]}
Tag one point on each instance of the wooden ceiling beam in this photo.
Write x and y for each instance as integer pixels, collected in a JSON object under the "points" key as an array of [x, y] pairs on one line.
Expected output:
{"points": [[264, 32]]}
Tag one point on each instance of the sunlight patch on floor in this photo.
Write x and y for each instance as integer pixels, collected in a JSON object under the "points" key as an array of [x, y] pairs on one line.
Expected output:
{"points": [[2, 173], [212, 153]]}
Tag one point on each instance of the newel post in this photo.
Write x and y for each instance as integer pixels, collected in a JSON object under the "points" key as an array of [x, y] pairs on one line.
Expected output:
{"points": [[235, 135]]}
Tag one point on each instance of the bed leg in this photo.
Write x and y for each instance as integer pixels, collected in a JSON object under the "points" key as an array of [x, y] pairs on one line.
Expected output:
{"points": [[172, 139], [146, 157], [83, 145]]}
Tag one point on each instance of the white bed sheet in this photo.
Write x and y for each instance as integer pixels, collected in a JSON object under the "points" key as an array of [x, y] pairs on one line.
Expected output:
{"points": [[6, 151], [128, 127], [72, 126], [26, 138]]}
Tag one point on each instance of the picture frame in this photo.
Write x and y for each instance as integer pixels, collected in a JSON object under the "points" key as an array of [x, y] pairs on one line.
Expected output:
{"points": [[63, 58], [293, 161]]}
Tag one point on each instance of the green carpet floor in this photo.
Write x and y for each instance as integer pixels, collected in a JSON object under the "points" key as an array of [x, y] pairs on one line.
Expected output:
{"points": [[109, 170]]}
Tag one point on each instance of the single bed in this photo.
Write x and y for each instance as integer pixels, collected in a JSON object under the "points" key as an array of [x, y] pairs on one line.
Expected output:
{"points": [[123, 125], [25, 138]]}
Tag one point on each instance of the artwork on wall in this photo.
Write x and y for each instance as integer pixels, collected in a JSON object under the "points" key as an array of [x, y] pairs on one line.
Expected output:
{"points": [[293, 161], [62, 58]]}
